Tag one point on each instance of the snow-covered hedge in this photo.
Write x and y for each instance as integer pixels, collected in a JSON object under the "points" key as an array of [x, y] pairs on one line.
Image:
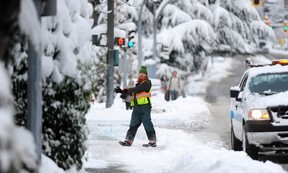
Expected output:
{"points": [[66, 60]]}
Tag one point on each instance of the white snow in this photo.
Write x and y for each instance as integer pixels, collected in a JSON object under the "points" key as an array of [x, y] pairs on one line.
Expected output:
{"points": [[47, 165], [28, 21], [68, 33], [178, 149]]}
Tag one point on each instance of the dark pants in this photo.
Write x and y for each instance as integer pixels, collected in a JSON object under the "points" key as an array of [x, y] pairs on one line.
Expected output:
{"points": [[128, 105], [174, 94], [141, 114]]}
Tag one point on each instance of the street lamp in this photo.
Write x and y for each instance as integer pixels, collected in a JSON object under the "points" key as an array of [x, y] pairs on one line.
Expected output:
{"points": [[151, 67]]}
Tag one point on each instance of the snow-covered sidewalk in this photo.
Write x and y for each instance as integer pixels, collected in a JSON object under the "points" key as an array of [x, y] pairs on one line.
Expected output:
{"points": [[178, 149]]}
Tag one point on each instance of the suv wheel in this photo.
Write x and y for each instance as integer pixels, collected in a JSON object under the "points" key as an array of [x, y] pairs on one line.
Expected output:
{"points": [[236, 144], [250, 149]]}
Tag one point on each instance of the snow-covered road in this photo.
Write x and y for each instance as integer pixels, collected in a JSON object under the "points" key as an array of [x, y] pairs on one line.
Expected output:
{"points": [[183, 145]]}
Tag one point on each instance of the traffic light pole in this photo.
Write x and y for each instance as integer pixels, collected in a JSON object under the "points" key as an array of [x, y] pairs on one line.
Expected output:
{"points": [[110, 55], [125, 68], [34, 103]]}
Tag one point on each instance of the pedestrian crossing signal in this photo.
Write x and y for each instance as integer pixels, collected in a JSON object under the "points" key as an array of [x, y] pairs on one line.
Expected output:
{"points": [[130, 44], [131, 40], [120, 41]]}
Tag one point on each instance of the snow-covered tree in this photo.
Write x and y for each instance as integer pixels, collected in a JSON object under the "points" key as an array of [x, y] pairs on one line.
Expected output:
{"points": [[65, 73], [191, 29], [231, 26], [244, 25]]}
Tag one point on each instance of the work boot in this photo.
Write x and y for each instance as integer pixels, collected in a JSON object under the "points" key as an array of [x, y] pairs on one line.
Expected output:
{"points": [[150, 144], [125, 143]]}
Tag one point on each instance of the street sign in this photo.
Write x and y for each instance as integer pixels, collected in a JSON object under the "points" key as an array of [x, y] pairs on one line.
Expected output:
{"points": [[100, 41], [116, 57]]}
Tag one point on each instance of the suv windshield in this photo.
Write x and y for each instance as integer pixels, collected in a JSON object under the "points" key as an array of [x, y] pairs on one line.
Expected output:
{"points": [[269, 83]]}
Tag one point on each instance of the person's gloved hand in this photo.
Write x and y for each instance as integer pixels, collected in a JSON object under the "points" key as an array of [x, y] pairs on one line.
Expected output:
{"points": [[123, 96], [125, 90], [118, 90]]}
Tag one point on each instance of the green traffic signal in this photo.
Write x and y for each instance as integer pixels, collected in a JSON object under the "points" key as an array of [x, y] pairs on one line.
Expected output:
{"points": [[130, 44], [285, 28]]}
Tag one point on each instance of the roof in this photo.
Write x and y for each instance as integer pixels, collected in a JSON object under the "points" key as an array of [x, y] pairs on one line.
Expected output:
{"points": [[267, 69]]}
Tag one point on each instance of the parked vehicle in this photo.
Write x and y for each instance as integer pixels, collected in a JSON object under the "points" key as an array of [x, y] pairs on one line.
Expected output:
{"points": [[259, 109]]}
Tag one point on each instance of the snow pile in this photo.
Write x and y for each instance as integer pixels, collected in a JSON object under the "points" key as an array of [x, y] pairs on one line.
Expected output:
{"points": [[49, 166], [17, 149], [66, 39], [28, 21], [218, 68]]}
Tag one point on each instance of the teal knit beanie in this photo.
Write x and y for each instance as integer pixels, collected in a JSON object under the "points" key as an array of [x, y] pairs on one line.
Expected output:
{"points": [[143, 69]]}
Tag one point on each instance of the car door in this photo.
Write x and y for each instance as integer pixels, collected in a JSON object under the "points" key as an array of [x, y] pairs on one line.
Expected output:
{"points": [[239, 108]]}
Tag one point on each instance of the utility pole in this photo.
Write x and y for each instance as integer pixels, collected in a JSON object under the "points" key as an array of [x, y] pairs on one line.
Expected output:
{"points": [[110, 55], [34, 122]]}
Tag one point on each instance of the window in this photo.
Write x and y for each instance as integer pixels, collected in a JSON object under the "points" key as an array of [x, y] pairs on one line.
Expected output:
{"points": [[243, 82], [269, 83]]}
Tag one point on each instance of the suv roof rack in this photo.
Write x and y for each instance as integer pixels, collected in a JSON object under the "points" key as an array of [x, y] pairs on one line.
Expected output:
{"points": [[249, 63]]}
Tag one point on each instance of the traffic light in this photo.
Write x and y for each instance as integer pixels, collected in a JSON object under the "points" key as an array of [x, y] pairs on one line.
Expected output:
{"points": [[165, 48], [120, 41], [285, 26], [131, 40], [256, 2]]}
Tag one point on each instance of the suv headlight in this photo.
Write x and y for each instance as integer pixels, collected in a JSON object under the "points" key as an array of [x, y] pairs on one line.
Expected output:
{"points": [[259, 114]]}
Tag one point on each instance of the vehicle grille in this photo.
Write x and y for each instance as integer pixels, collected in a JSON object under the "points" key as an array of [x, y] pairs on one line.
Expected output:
{"points": [[279, 111]]}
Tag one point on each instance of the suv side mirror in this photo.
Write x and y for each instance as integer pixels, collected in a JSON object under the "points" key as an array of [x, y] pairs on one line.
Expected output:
{"points": [[239, 97], [235, 93]]}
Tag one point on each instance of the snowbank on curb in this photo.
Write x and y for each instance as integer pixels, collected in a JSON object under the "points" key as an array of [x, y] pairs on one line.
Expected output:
{"points": [[178, 150]]}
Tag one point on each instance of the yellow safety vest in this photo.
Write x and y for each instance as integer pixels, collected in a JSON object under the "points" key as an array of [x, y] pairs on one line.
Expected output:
{"points": [[142, 98]]}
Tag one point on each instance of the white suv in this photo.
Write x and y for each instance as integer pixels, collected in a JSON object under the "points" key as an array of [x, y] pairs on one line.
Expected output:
{"points": [[259, 110]]}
